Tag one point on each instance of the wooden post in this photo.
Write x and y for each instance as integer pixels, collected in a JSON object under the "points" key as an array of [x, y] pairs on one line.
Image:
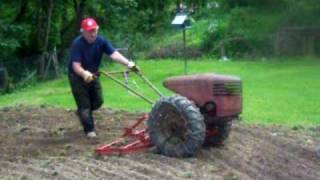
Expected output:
{"points": [[3, 79], [48, 59], [277, 43], [52, 60], [222, 49], [55, 62], [42, 65]]}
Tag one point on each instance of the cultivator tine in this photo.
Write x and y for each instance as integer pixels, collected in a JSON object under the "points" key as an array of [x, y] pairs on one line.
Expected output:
{"points": [[141, 141]]}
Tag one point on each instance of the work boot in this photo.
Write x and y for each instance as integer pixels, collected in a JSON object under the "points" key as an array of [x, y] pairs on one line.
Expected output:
{"points": [[91, 134]]}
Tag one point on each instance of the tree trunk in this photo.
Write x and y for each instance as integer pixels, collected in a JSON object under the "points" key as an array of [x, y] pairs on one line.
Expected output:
{"points": [[80, 10], [22, 11], [39, 27], [48, 26], [43, 29]]}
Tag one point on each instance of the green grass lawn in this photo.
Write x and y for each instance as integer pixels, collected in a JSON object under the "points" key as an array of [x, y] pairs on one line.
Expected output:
{"points": [[274, 91]]}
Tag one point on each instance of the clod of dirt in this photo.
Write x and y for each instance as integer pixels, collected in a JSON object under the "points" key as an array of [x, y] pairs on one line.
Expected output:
{"points": [[318, 152]]}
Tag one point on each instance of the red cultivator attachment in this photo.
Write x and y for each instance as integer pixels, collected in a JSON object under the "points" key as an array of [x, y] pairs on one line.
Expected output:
{"points": [[139, 141]]}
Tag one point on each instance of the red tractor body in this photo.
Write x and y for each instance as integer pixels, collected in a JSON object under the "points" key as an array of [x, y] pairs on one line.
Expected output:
{"points": [[218, 96]]}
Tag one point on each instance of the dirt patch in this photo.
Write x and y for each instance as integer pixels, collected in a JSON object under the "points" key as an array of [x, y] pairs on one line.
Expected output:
{"points": [[47, 143]]}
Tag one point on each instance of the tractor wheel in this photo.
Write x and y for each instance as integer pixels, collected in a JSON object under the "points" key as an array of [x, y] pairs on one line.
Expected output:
{"points": [[176, 127], [222, 134]]}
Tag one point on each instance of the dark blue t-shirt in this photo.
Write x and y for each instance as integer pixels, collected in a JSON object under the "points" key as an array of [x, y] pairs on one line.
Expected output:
{"points": [[89, 55]]}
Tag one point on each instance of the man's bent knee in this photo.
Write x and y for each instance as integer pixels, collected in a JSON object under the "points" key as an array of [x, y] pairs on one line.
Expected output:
{"points": [[96, 105]]}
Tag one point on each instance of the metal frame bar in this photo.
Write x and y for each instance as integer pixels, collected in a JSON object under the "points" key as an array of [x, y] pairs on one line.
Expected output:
{"points": [[141, 141], [127, 87]]}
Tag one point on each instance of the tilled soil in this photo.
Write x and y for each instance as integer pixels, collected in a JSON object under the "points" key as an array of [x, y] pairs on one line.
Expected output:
{"points": [[47, 143]]}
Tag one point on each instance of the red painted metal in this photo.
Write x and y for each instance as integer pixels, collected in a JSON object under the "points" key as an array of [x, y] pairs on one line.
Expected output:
{"points": [[140, 142], [224, 91], [212, 131]]}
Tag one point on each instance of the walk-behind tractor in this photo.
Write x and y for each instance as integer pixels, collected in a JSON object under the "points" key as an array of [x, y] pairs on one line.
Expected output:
{"points": [[201, 114]]}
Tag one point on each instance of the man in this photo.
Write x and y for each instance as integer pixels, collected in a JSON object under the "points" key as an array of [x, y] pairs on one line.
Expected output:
{"points": [[85, 58]]}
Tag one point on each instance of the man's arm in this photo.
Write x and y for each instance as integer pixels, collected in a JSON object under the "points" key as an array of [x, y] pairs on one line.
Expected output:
{"points": [[118, 57], [86, 75], [77, 68]]}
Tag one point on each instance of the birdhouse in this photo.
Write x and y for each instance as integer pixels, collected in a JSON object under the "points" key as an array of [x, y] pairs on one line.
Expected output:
{"points": [[181, 20]]}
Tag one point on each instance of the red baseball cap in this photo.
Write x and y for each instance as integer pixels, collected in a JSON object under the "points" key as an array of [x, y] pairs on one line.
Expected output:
{"points": [[88, 24]]}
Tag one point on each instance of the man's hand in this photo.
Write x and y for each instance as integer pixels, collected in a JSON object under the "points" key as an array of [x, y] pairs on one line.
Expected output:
{"points": [[131, 64], [133, 67], [88, 76]]}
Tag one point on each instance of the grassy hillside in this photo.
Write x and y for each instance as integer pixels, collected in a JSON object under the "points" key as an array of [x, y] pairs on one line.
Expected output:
{"points": [[274, 91]]}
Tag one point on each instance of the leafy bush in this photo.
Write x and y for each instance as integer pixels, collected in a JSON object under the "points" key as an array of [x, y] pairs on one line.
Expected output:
{"points": [[215, 33], [302, 13], [249, 28], [174, 51], [11, 35], [243, 32]]}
